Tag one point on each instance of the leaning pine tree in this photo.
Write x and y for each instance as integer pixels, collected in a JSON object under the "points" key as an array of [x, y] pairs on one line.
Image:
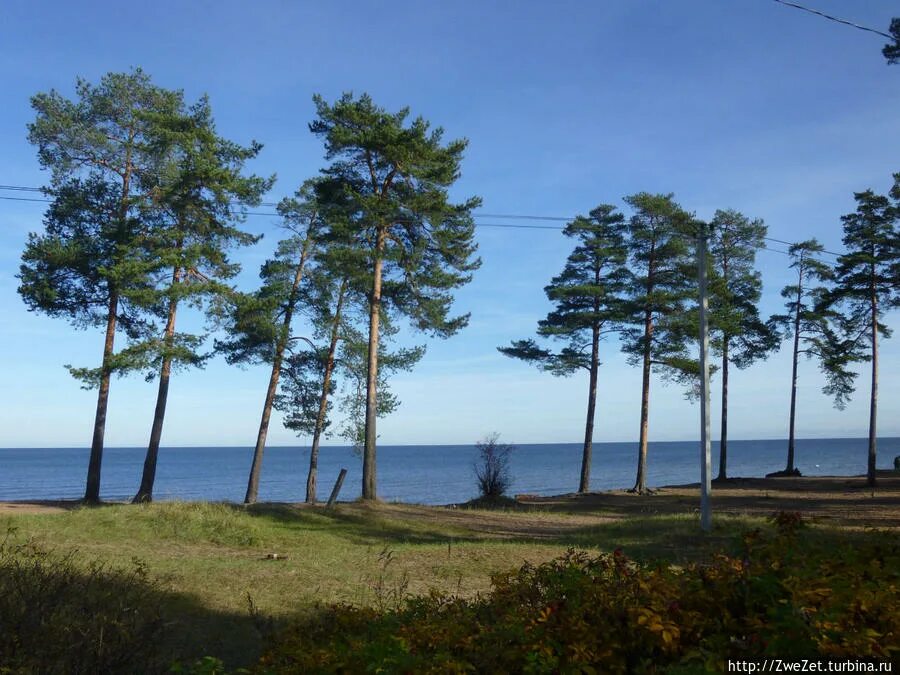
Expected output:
{"points": [[587, 304], [867, 286], [402, 227], [259, 324], [198, 205], [92, 264], [738, 333], [659, 294], [811, 325], [308, 381]]}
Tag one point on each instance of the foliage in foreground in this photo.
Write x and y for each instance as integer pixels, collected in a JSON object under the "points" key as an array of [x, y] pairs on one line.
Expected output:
{"points": [[784, 596], [58, 617]]}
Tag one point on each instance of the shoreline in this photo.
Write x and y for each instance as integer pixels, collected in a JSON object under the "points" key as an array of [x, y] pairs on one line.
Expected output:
{"points": [[845, 499]]}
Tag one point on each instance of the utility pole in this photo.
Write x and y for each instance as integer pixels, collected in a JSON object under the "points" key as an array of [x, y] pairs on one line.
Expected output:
{"points": [[705, 511]]}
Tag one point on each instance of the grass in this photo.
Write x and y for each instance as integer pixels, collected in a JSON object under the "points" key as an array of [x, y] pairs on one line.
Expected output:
{"points": [[216, 561], [212, 557]]}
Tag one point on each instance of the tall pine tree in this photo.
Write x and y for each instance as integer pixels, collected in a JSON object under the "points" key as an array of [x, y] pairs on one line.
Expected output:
{"points": [[737, 332], [417, 245], [587, 304], [259, 324], [198, 206], [867, 286], [810, 324], [659, 294], [92, 264]]}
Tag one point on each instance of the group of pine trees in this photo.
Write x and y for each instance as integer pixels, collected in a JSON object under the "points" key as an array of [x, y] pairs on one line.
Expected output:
{"points": [[146, 206], [637, 278], [147, 200]]}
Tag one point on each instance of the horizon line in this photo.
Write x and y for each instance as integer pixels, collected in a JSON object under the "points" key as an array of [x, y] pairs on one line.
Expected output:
{"points": [[437, 445]]}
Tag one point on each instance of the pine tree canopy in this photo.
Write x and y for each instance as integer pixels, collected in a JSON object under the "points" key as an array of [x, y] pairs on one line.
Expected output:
{"points": [[394, 177], [586, 294]]}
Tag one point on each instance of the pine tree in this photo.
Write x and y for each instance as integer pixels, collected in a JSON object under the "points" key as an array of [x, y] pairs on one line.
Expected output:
{"points": [[92, 265], [867, 286], [416, 245], [658, 299], [335, 355], [738, 333], [259, 324], [588, 304], [309, 381], [891, 51], [198, 205], [810, 324], [353, 359]]}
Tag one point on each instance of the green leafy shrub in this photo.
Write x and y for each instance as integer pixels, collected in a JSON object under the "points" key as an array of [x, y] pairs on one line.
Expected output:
{"points": [[59, 617], [785, 595]]}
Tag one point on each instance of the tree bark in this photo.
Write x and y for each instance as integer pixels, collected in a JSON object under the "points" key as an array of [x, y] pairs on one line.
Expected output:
{"points": [[723, 438], [323, 400], [256, 466], [148, 478], [369, 491], [723, 435], [92, 490], [640, 483], [586, 456], [790, 456], [873, 399]]}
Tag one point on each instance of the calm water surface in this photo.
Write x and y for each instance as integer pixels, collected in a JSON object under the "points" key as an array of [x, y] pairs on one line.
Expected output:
{"points": [[429, 474]]}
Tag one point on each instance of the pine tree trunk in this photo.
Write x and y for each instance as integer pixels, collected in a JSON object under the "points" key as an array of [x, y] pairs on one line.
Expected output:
{"points": [[723, 438], [640, 483], [873, 399], [148, 478], [92, 490], [283, 338], [790, 456], [586, 457], [323, 400], [369, 491]]}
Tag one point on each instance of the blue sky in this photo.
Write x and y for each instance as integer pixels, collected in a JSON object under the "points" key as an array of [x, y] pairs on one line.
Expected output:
{"points": [[745, 104]]}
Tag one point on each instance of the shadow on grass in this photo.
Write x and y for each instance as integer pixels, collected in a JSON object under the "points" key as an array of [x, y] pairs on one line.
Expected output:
{"points": [[368, 525], [675, 537], [60, 614], [662, 526]]}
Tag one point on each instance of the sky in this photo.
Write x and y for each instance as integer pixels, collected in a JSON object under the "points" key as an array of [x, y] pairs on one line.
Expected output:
{"points": [[743, 104]]}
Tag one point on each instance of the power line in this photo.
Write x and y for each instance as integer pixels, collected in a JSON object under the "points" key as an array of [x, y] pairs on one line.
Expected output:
{"points": [[508, 216], [564, 219], [20, 188], [26, 199], [835, 19]]}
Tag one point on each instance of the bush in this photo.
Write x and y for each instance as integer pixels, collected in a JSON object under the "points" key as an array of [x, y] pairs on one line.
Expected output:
{"points": [[59, 617], [492, 467], [784, 596]]}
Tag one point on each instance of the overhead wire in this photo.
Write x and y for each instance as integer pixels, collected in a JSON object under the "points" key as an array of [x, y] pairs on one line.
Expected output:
{"points": [[836, 19], [508, 216]]}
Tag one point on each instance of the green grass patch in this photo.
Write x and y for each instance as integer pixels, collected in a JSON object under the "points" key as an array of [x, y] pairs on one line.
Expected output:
{"points": [[212, 562]]}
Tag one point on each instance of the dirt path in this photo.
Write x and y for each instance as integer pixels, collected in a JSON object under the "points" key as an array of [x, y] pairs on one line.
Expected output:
{"points": [[37, 506], [837, 500]]}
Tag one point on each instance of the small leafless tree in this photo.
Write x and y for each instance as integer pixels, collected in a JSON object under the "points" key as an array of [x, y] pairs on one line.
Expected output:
{"points": [[492, 466]]}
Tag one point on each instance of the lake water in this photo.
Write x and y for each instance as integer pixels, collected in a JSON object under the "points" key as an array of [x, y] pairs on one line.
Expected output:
{"points": [[429, 474]]}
